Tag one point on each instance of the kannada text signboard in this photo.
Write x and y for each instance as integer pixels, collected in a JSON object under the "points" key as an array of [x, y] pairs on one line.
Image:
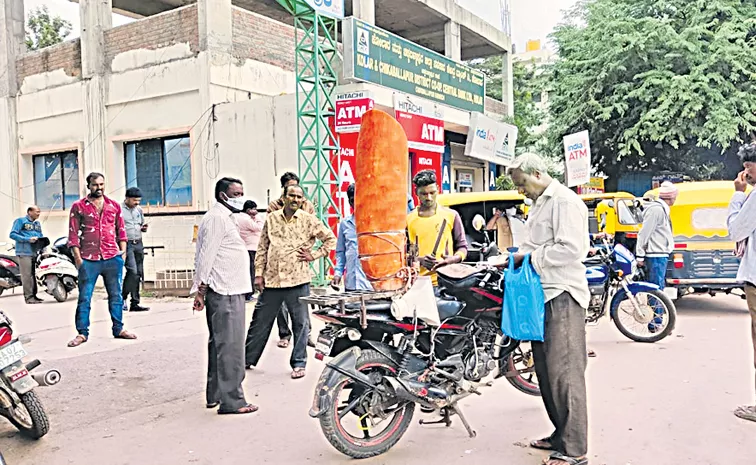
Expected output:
{"points": [[374, 55]]}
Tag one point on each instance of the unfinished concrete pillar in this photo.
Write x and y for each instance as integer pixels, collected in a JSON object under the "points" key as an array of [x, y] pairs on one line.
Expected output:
{"points": [[507, 84], [452, 41], [364, 10], [96, 17], [11, 48]]}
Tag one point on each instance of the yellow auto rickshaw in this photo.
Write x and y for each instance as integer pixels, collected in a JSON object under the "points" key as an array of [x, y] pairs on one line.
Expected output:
{"points": [[469, 204], [615, 213], [703, 259]]}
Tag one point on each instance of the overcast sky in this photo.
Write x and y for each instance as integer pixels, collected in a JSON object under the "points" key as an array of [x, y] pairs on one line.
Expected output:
{"points": [[531, 19]]}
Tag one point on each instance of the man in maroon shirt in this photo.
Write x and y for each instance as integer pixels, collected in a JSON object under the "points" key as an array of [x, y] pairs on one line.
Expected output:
{"points": [[97, 238]]}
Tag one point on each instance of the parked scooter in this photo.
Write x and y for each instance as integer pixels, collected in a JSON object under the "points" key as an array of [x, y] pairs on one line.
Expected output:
{"points": [[56, 271], [18, 401], [10, 271]]}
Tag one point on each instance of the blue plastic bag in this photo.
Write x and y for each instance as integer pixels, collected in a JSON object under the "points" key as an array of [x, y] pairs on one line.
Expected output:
{"points": [[522, 315]]}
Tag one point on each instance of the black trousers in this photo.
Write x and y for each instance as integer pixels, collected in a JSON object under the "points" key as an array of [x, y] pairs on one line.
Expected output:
{"points": [[225, 350], [28, 268], [267, 309], [134, 271], [560, 363]]}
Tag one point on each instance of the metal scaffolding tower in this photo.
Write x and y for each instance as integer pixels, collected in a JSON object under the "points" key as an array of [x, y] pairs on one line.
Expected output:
{"points": [[316, 52]]}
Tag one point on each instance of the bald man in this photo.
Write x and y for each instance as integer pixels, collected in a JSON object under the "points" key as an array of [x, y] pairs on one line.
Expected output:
{"points": [[26, 232]]}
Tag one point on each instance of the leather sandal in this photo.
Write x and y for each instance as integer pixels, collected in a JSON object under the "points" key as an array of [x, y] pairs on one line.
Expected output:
{"points": [[298, 373], [125, 335], [561, 458], [77, 341], [542, 444], [249, 408]]}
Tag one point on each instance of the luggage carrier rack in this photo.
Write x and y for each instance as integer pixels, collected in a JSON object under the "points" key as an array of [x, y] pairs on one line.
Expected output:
{"points": [[350, 297]]}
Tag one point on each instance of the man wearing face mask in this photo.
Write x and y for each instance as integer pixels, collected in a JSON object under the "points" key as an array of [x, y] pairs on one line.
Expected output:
{"points": [[97, 238], [509, 230], [221, 285]]}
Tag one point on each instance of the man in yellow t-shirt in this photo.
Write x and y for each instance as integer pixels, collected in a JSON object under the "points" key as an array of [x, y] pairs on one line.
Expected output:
{"points": [[436, 247]]}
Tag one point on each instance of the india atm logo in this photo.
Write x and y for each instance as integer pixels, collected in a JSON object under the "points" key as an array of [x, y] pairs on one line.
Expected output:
{"points": [[577, 151], [486, 135]]}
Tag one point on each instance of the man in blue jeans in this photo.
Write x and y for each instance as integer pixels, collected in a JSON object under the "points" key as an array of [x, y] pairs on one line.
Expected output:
{"points": [[656, 241], [97, 238]]}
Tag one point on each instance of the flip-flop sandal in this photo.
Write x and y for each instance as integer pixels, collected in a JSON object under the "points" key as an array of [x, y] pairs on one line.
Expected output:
{"points": [[568, 460], [283, 343], [542, 444], [125, 335], [298, 373], [249, 408], [746, 413], [77, 341]]}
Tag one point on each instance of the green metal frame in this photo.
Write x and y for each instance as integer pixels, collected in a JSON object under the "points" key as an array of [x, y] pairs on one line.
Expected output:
{"points": [[316, 51]]}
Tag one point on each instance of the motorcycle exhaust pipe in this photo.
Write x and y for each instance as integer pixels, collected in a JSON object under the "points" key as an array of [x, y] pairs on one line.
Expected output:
{"points": [[421, 393], [48, 378]]}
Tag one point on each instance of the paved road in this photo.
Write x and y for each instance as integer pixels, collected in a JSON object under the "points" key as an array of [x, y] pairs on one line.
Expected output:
{"points": [[142, 403]]}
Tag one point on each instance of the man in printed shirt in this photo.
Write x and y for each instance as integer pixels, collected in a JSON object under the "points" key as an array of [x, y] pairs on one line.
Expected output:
{"points": [[282, 320], [558, 243], [424, 227], [97, 238], [347, 255], [221, 286], [282, 274], [26, 231], [741, 224]]}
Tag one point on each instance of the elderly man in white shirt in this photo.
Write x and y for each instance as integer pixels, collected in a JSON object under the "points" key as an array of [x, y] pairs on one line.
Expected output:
{"points": [[741, 224], [558, 242], [221, 287]]}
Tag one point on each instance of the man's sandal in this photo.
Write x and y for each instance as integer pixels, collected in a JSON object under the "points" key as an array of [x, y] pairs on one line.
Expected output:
{"points": [[283, 343], [77, 341], [746, 412], [298, 373], [249, 408], [559, 457], [125, 335], [542, 444]]}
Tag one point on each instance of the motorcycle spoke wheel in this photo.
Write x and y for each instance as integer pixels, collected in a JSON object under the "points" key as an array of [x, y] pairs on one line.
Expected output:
{"points": [[653, 322], [521, 361], [22, 416]]}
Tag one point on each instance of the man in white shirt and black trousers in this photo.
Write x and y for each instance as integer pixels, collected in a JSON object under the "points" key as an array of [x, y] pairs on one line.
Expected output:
{"points": [[558, 242], [221, 287]]}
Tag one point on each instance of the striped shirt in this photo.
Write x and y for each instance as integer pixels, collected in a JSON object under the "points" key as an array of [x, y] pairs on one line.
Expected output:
{"points": [[558, 243], [221, 254]]}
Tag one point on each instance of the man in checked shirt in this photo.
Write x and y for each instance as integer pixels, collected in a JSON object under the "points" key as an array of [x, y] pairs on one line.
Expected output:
{"points": [[97, 238]]}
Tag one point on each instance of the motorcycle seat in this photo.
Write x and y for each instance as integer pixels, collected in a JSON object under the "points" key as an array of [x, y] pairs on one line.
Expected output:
{"points": [[449, 308]]}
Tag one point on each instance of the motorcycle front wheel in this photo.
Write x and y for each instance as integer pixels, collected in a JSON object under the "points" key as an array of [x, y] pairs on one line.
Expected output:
{"points": [[654, 323], [360, 422], [30, 417]]}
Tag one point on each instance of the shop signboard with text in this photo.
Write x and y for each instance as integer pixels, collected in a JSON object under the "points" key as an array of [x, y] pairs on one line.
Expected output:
{"points": [[350, 107], [491, 140], [577, 154], [374, 55]]}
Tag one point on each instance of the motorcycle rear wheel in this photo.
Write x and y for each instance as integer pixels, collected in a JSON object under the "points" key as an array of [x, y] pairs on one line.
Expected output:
{"points": [[59, 292], [373, 364], [519, 360], [32, 423]]}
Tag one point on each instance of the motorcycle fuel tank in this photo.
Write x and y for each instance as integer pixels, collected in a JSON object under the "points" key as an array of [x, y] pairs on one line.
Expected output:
{"points": [[595, 275]]}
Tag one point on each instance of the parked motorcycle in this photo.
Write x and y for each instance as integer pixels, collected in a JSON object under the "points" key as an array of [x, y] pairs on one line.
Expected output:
{"points": [[383, 367], [641, 311], [10, 272], [18, 401], [56, 271]]}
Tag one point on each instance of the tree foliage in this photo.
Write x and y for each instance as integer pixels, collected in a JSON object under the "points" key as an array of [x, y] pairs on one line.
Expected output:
{"points": [[43, 30], [663, 84], [526, 85]]}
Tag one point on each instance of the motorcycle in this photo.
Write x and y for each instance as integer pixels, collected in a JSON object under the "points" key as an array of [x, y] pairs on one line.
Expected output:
{"points": [[56, 272], [641, 311], [383, 366], [10, 271], [18, 401]]}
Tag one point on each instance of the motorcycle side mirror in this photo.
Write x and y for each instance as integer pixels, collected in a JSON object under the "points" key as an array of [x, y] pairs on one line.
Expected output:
{"points": [[478, 223]]}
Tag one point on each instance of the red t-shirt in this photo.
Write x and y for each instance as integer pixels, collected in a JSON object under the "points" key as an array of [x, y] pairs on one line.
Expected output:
{"points": [[96, 233]]}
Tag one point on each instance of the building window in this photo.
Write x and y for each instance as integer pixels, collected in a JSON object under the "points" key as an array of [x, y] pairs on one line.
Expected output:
{"points": [[56, 180], [162, 170]]}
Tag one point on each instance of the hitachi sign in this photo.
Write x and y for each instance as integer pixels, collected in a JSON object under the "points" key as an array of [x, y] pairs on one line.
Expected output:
{"points": [[352, 112], [433, 133]]}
